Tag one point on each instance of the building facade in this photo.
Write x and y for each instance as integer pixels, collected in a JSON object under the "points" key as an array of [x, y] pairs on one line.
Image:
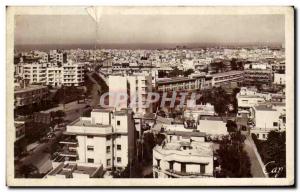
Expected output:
{"points": [[226, 78], [135, 87], [30, 95], [106, 137], [178, 159]]}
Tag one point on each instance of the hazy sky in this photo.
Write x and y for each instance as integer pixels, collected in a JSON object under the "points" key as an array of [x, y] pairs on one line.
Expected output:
{"points": [[80, 29]]}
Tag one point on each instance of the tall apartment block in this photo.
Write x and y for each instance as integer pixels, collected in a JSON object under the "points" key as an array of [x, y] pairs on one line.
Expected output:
{"points": [[136, 87], [107, 137]]}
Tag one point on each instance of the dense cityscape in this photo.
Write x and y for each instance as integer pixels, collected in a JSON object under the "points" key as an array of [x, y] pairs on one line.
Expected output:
{"points": [[219, 112]]}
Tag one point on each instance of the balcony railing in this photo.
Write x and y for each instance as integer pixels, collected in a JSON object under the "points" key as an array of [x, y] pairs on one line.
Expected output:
{"points": [[181, 174]]}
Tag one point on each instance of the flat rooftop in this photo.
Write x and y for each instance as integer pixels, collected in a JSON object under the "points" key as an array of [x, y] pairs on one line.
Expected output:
{"points": [[86, 123], [227, 73], [68, 169], [195, 148], [186, 133], [174, 80]]}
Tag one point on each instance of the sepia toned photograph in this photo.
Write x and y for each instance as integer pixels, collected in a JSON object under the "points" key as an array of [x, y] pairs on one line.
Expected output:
{"points": [[150, 96]]}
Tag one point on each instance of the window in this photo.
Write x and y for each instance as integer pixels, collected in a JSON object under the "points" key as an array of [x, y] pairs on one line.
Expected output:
{"points": [[90, 137], [275, 124], [118, 123], [107, 149], [119, 147], [119, 160], [171, 163], [90, 160], [108, 162], [202, 168], [158, 162], [90, 148], [264, 136], [183, 167], [108, 138]]}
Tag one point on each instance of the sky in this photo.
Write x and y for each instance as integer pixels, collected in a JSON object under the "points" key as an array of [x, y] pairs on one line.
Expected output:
{"points": [[152, 29]]}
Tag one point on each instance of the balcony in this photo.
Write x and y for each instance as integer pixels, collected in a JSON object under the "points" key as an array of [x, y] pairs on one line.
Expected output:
{"points": [[185, 174], [68, 153], [69, 141]]}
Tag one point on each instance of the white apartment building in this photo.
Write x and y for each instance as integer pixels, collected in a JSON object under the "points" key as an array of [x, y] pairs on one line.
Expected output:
{"points": [[51, 74], [248, 98], [73, 74], [57, 57], [54, 76], [136, 87], [268, 117], [181, 159], [34, 72], [107, 138], [279, 79]]}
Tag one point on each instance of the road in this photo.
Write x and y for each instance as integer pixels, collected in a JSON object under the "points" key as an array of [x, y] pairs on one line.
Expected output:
{"points": [[256, 168], [39, 150]]}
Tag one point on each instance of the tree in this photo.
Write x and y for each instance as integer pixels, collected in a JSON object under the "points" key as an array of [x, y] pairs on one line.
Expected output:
{"points": [[188, 72], [276, 151], [233, 64], [233, 159], [231, 126], [175, 72]]}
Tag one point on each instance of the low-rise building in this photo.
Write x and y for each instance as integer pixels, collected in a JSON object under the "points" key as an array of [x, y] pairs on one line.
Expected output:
{"points": [[279, 79], [183, 159], [212, 125], [268, 117], [249, 97], [31, 94], [66, 170]]}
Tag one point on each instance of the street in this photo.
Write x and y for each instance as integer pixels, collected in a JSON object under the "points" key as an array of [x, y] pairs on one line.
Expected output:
{"points": [[256, 168]]}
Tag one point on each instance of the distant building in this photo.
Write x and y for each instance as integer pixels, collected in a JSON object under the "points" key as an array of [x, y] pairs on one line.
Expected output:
{"points": [[30, 94], [258, 77], [66, 74], [107, 138], [268, 117], [180, 83], [249, 97], [66, 170], [279, 79], [183, 159], [226, 78], [73, 74]]}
